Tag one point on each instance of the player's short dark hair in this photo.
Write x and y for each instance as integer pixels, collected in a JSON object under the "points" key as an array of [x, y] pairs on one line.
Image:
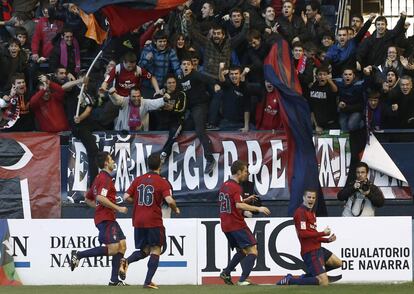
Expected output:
{"points": [[154, 161], [373, 94], [236, 9], [235, 67], [211, 4], [17, 76], [160, 35], [381, 18], [297, 44], [322, 68], [312, 190], [21, 31], [236, 166], [101, 158], [253, 34], [315, 5], [67, 29], [14, 41], [362, 164], [348, 68], [358, 16], [216, 27], [129, 56]]}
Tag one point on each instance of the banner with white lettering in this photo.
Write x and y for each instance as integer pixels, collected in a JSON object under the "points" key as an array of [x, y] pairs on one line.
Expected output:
{"points": [[265, 152], [42, 248], [374, 249]]}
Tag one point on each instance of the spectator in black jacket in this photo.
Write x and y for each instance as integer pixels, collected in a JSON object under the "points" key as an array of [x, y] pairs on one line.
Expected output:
{"points": [[373, 50], [291, 26]]}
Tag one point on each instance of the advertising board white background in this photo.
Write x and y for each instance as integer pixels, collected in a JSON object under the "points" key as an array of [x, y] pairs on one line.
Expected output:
{"points": [[379, 250], [366, 236], [51, 265]]}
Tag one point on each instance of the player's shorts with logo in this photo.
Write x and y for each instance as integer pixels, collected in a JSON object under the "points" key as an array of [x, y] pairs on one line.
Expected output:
{"points": [[110, 232], [315, 261], [149, 237], [241, 238]]}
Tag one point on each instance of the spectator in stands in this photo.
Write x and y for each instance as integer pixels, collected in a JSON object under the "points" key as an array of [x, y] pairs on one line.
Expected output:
{"points": [[218, 48], [47, 106], [16, 116], [233, 25], [377, 113], [208, 19], [180, 45], [322, 100], [46, 30], [271, 25], [134, 109], [174, 110], [374, 50], [361, 196], [84, 125], [194, 86], [22, 36], [160, 60], [234, 101], [12, 61], [405, 103], [291, 26], [304, 67], [67, 53], [128, 75], [315, 23], [252, 8], [351, 101], [357, 22], [268, 111], [343, 53], [328, 39], [255, 55]]}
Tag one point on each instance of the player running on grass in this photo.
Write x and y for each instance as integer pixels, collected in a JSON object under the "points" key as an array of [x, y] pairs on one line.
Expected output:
{"points": [[318, 260], [148, 193], [102, 197], [233, 225]]}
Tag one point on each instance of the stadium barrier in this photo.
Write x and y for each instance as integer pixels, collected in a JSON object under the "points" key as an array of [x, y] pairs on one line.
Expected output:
{"points": [[375, 249]]}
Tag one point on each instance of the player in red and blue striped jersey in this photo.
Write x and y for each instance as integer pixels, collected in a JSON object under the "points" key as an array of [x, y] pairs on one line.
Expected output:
{"points": [[233, 225]]}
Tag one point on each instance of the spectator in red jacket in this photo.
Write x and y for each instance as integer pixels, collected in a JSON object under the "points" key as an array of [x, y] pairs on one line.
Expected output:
{"points": [[47, 105], [45, 31]]}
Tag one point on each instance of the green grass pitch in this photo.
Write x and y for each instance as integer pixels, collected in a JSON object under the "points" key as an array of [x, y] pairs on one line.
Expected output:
{"points": [[403, 288]]}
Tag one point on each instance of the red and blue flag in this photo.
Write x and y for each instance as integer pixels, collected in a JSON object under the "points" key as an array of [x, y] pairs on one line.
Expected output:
{"points": [[125, 16], [302, 167]]}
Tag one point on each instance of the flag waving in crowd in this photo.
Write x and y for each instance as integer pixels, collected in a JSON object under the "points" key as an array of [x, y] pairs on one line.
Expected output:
{"points": [[279, 70], [124, 16]]}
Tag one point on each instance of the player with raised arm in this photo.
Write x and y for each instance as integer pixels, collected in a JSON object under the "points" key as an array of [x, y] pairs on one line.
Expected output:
{"points": [[318, 260], [233, 225], [148, 193], [102, 197]]}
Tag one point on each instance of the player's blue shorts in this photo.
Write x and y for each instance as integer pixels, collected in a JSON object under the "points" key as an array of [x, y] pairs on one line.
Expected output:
{"points": [[315, 261], [110, 232], [149, 237], [241, 238]]}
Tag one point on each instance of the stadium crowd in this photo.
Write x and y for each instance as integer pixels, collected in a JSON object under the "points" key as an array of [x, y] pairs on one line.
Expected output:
{"points": [[200, 68]]}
